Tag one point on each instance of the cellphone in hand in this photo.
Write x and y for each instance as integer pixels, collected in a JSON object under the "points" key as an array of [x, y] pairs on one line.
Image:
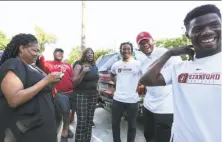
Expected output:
{"points": [[61, 75]]}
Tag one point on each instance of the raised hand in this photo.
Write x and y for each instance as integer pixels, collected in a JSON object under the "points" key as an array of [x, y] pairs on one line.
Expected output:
{"points": [[183, 50], [54, 77]]}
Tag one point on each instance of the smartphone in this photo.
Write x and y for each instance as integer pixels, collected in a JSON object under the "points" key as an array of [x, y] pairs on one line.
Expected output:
{"points": [[61, 75]]}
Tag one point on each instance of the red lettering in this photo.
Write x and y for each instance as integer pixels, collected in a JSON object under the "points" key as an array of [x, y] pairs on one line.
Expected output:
{"points": [[217, 77], [196, 76], [182, 78], [190, 76], [204, 76], [201, 77], [208, 76], [212, 76]]}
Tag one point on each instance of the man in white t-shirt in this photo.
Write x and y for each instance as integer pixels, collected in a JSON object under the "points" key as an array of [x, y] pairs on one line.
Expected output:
{"points": [[126, 74], [196, 84], [158, 102]]}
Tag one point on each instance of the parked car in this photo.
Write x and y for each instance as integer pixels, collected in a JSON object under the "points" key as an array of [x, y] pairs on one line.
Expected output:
{"points": [[105, 85]]}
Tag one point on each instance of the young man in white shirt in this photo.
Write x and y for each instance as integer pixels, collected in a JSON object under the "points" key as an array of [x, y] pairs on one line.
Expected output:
{"points": [[196, 84], [158, 102], [126, 74]]}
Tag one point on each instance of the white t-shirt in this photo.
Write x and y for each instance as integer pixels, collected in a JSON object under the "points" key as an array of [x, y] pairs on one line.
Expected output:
{"points": [[127, 78], [197, 99], [159, 99]]}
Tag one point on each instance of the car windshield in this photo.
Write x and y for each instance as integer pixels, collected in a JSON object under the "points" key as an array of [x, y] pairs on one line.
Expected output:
{"points": [[103, 59], [104, 63], [107, 66]]}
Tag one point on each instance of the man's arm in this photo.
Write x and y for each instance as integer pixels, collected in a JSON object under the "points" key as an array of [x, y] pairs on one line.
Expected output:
{"points": [[153, 77], [43, 65]]}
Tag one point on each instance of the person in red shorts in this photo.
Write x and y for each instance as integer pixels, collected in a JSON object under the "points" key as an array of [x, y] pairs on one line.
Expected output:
{"points": [[64, 89]]}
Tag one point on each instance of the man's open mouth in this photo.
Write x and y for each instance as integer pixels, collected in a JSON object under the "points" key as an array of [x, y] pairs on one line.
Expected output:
{"points": [[208, 40]]}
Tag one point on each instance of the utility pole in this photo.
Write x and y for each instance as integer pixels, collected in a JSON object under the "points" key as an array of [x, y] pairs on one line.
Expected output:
{"points": [[83, 36]]}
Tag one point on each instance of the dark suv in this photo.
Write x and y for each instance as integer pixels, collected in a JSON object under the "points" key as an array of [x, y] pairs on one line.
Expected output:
{"points": [[105, 85]]}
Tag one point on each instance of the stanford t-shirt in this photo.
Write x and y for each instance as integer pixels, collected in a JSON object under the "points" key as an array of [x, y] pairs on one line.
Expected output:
{"points": [[197, 99]]}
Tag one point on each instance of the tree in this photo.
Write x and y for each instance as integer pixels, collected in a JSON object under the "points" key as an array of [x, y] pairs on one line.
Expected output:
{"points": [[76, 54], [3, 40], [44, 38], [174, 42], [100, 52]]}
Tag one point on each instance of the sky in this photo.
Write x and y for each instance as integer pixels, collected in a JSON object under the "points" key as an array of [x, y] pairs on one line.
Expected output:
{"points": [[108, 23]]}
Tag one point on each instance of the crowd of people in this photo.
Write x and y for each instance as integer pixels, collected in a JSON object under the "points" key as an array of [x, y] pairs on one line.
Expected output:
{"points": [[182, 98]]}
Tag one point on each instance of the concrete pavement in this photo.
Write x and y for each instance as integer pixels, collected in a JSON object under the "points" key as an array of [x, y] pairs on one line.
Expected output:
{"points": [[103, 130]]}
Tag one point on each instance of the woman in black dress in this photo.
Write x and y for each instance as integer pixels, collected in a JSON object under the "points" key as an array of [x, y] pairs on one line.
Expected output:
{"points": [[27, 111]]}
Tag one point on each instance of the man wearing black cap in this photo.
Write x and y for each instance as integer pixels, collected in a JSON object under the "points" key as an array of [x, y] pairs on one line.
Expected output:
{"points": [[63, 89]]}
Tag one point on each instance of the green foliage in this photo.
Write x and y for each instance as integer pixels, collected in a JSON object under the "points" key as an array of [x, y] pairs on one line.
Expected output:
{"points": [[76, 54], [100, 52], [44, 38], [174, 42], [3, 40]]}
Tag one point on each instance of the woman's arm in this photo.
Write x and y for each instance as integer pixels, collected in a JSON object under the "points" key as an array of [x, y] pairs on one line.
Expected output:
{"points": [[14, 92], [77, 74]]}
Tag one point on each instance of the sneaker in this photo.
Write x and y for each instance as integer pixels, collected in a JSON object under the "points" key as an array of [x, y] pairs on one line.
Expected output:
{"points": [[93, 125], [70, 134], [64, 139]]}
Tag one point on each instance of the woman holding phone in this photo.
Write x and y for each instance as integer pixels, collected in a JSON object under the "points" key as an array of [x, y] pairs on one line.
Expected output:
{"points": [[85, 78], [26, 105]]}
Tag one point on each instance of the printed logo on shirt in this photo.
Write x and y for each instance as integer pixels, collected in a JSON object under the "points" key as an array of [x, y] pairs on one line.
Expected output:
{"points": [[124, 70], [182, 78], [62, 67], [200, 78]]}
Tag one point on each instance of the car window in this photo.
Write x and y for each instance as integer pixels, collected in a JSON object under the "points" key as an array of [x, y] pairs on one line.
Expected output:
{"points": [[107, 66], [1, 54], [104, 63], [103, 59]]}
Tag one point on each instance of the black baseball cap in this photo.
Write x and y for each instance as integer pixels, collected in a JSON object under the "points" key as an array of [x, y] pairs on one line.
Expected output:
{"points": [[59, 49]]}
